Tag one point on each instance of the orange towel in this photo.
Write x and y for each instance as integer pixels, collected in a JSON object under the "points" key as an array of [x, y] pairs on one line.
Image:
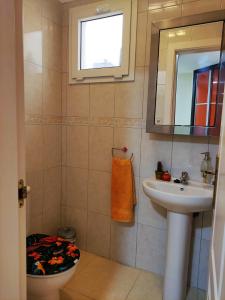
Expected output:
{"points": [[122, 191]]}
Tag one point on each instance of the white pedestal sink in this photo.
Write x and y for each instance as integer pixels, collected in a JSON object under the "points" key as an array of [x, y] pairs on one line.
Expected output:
{"points": [[181, 201]]}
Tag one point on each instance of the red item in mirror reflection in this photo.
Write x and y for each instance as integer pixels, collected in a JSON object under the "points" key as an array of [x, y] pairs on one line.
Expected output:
{"points": [[166, 176]]}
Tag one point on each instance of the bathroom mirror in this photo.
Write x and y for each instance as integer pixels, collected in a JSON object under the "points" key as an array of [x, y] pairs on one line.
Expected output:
{"points": [[186, 75]]}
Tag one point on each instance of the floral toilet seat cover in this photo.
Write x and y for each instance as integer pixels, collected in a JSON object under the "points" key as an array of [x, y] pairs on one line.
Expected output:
{"points": [[48, 255]]}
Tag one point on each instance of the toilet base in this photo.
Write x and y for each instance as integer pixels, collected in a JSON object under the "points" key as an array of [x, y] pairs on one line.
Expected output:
{"points": [[48, 287]]}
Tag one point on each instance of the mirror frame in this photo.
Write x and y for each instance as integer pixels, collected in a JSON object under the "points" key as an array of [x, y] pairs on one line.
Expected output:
{"points": [[197, 19]]}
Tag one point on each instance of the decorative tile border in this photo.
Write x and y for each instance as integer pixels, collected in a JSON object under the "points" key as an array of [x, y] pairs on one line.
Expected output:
{"points": [[101, 121], [75, 121], [42, 120], [33, 119], [85, 121]]}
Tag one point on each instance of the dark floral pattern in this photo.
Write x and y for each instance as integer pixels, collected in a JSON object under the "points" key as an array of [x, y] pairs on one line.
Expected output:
{"points": [[47, 255]]}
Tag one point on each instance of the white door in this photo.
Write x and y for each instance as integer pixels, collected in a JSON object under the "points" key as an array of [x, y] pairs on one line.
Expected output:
{"points": [[216, 289], [12, 162]]}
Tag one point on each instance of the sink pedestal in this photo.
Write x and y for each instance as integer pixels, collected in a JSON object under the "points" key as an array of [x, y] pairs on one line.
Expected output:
{"points": [[178, 246]]}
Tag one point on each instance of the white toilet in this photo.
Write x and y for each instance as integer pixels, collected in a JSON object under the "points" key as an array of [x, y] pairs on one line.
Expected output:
{"points": [[48, 287], [51, 262]]}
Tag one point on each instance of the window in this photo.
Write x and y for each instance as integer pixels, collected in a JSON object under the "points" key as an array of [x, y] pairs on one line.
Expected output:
{"points": [[102, 41]]}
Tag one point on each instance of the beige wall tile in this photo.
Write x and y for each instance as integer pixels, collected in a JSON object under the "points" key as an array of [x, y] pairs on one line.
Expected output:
{"points": [[146, 93], [152, 241], [52, 41], [52, 10], [102, 98], [100, 143], [33, 35], [77, 187], [77, 146], [165, 12], [52, 190], [78, 219], [32, 21], [200, 6], [148, 41], [35, 179], [64, 93], [65, 50], [158, 4], [33, 88], [157, 15], [35, 4], [52, 198], [154, 148], [131, 138], [50, 222], [52, 145], [78, 99], [34, 147], [52, 93], [99, 192], [35, 224], [98, 234], [123, 243], [129, 97], [63, 202], [64, 145], [190, 148], [149, 213], [142, 5], [141, 39]]}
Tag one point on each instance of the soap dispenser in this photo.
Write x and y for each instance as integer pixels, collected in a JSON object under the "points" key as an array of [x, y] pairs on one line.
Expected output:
{"points": [[206, 168]]}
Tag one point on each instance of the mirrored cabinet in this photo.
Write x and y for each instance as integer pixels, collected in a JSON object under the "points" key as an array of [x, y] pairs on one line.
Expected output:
{"points": [[186, 82]]}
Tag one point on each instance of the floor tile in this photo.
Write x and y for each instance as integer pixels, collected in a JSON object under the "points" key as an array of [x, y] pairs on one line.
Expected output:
{"points": [[85, 259], [67, 294], [97, 278], [147, 287], [196, 294], [103, 279]]}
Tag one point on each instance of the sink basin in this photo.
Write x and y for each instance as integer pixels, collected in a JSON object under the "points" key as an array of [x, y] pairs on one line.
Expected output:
{"points": [[181, 201], [194, 197]]}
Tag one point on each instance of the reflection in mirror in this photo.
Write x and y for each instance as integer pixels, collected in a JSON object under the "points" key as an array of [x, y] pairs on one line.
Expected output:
{"points": [[188, 71]]}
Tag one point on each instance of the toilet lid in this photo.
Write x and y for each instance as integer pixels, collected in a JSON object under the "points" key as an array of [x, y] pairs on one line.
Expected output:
{"points": [[48, 255]]}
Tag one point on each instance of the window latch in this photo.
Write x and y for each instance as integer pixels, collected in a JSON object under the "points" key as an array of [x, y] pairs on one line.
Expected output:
{"points": [[102, 10]]}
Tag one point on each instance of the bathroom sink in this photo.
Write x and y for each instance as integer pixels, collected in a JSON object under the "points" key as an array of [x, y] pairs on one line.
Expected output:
{"points": [[194, 197], [181, 201]]}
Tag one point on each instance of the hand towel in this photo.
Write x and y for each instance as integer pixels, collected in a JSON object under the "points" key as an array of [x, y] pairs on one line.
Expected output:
{"points": [[122, 190]]}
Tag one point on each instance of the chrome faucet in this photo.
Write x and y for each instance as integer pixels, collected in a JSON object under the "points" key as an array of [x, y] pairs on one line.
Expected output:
{"points": [[184, 177]]}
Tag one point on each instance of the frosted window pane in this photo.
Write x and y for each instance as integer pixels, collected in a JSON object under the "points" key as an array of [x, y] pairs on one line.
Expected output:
{"points": [[101, 42]]}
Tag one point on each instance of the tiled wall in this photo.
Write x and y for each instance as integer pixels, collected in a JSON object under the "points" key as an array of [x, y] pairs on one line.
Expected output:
{"points": [[85, 125], [42, 54], [97, 117]]}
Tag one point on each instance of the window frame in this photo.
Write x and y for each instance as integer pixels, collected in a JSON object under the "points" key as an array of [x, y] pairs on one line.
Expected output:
{"points": [[99, 10]]}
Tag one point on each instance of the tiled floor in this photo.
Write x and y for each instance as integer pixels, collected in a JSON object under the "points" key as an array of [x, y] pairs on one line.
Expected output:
{"points": [[98, 278]]}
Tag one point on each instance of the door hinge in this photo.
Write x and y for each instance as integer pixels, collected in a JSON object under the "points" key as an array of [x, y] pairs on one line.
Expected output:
{"points": [[23, 191]]}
